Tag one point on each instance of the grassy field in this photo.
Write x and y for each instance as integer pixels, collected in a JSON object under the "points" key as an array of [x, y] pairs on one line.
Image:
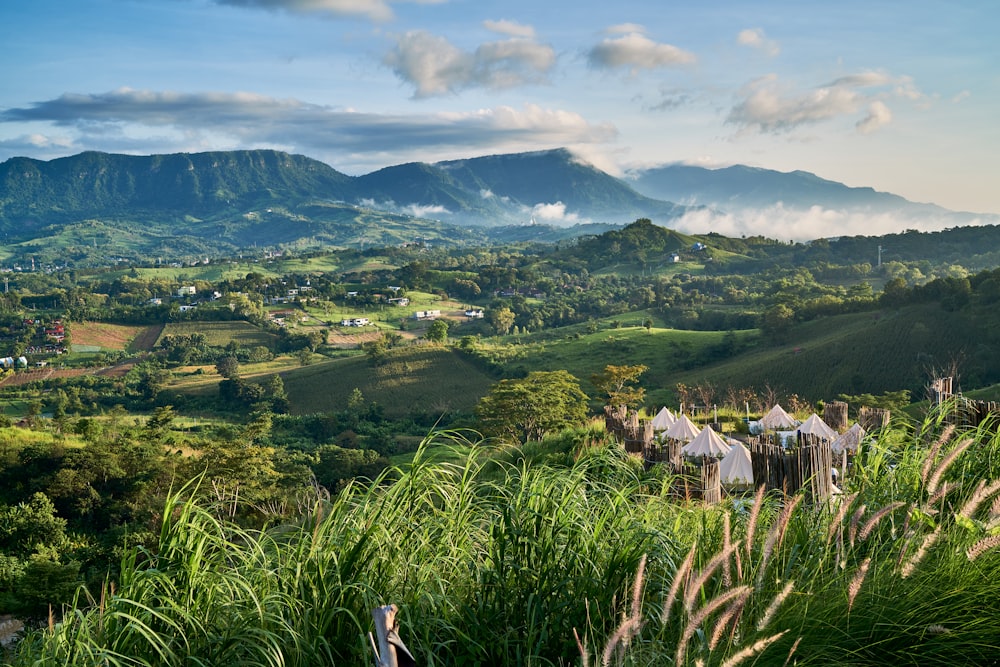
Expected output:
{"points": [[220, 333], [417, 379], [865, 352], [105, 336]]}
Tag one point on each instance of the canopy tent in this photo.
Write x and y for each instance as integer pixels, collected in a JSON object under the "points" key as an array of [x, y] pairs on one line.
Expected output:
{"points": [[663, 420], [706, 443], [777, 419], [736, 468], [817, 427], [682, 429], [849, 440]]}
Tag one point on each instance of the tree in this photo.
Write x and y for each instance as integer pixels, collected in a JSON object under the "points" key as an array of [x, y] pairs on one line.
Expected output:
{"points": [[526, 409], [437, 332], [618, 383], [228, 367], [502, 319]]}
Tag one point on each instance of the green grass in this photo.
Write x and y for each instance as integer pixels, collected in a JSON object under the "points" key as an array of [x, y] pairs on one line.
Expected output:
{"points": [[417, 379], [544, 559], [221, 333]]}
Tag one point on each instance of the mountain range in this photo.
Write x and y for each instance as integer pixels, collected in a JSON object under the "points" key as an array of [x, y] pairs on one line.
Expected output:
{"points": [[220, 202]]}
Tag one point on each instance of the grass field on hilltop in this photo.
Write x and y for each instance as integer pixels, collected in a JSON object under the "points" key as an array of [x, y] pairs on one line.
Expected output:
{"points": [[417, 379], [220, 333], [106, 336]]}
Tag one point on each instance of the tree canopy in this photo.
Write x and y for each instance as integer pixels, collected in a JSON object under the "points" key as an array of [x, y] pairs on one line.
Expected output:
{"points": [[526, 409]]}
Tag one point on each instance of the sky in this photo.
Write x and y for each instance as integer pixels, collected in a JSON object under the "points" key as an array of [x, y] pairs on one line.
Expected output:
{"points": [[899, 95]]}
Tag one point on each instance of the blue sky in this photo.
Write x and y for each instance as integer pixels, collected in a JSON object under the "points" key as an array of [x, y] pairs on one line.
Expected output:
{"points": [[902, 96]]}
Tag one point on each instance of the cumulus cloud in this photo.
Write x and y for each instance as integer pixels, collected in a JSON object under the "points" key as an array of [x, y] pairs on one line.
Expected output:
{"points": [[434, 66], [375, 10], [635, 51], [756, 39], [768, 105], [510, 28], [795, 224], [878, 115], [221, 121], [555, 212]]}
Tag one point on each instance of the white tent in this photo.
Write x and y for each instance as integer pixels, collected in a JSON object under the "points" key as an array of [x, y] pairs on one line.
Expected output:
{"points": [[663, 420], [706, 443], [682, 429], [817, 427], [777, 419], [735, 467], [849, 440]]}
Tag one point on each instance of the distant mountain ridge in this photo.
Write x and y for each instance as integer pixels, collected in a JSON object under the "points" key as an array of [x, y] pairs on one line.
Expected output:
{"points": [[740, 187], [216, 203]]}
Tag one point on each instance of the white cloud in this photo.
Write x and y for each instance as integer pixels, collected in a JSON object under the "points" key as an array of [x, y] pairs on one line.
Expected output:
{"points": [[625, 28], [374, 10], [878, 115], [756, 39], [434, 66], [510, 28], [425, 211], [792, 224], [125, 119], [636, 51], [555, 212], [768, 105]]}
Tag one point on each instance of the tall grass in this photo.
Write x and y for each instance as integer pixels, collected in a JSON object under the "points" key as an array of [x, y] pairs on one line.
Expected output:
{"points": [[580, 559]]}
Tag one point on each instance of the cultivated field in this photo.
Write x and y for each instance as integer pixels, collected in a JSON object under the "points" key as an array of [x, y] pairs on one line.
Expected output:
{"points": [[220, 333]]}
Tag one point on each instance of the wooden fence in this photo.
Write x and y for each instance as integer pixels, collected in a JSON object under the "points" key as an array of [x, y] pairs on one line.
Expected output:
{"points": [[806, 466]]}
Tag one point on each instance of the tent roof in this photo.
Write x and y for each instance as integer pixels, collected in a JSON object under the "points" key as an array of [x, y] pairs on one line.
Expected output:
{"points": [[849, 440], [663, 420], [777, 419], [736, 467], [706, 443], [816, 426], [682, 429]]}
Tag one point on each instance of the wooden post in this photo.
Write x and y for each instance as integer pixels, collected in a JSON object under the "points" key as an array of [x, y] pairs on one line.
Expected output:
{"points": [[391, 651]]}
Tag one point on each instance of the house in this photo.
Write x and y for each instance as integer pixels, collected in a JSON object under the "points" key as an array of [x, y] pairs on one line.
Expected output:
{"points": [[474, 313], [186, 290], [426, 314], [188, 307], [355, 322], [674, 257], [155, 301], [400, 301]]}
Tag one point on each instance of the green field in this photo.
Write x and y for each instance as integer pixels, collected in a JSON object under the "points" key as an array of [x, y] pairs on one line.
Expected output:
{"points": [[220, 333], [421, 379]]}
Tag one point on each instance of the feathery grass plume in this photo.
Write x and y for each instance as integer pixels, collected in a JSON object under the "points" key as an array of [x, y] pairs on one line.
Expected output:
{"points": [[869, 525], [691, 592], [935, 478], [855, 520], [945, 489], [772, 608], [937, 629], [727, 541], [855, 586], [581, 646], [983, 491], [726, 620], [776, 535], [676, 584], [758, 500], [982, 546], [632, 623], [933, 452], [919, 554], [791, 652], [751, 651], [694, 622], [838, 518], [995, 507]]}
